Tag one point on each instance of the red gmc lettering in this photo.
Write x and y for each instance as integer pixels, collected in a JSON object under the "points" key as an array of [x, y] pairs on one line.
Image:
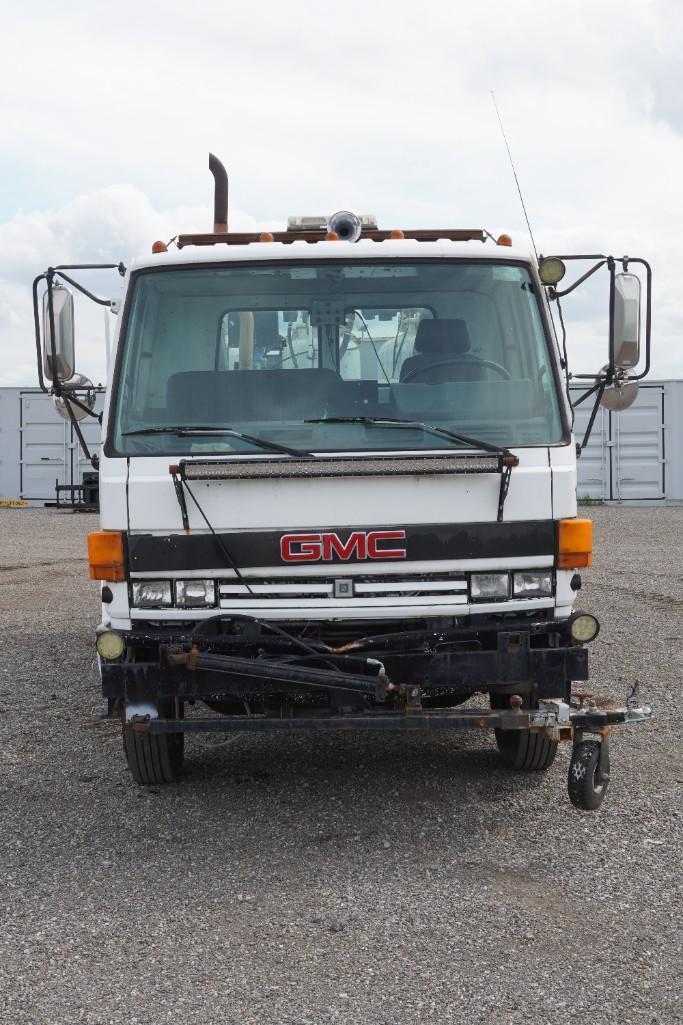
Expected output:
{"points": [[386, 553], [328, 546], [333, 545], [308, 547]]}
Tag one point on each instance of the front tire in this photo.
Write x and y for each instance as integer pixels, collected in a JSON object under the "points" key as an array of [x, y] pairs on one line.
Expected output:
{"points": [[154, 758], [523, 750]]}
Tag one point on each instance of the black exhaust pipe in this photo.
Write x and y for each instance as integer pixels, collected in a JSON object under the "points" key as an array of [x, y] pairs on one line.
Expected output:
{"points": [[220, 195]]}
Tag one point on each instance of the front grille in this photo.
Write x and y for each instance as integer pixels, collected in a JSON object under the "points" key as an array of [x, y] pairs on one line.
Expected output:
{"points": [[394, 589]]}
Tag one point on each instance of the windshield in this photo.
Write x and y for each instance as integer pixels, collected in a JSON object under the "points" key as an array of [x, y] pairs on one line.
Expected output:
{"points": [[284, 352]]}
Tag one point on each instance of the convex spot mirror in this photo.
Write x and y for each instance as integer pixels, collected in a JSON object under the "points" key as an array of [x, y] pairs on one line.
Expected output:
{"points": [[626, 320], [61, 366], [78, 387]]}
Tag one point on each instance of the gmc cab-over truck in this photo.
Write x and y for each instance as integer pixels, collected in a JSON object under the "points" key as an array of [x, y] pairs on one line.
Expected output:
{"points": [[338, 488]]}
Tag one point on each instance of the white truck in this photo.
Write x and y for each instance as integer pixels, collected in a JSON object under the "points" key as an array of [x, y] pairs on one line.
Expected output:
{"points": [[338, 488]]}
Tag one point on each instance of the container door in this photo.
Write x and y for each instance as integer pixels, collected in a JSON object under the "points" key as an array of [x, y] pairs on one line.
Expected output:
{"points": [[638, 450], [593, 467], [45, 454]]}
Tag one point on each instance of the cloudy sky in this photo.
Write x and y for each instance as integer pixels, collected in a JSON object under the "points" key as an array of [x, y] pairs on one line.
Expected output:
{"points": [[108, 117]]}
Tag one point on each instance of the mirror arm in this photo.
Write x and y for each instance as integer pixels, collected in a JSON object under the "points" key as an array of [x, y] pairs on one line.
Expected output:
{"points": [[36, 322], [77, 428], [554, 294], [594, 413], [90, 295], [120, 267], [586, 394]]}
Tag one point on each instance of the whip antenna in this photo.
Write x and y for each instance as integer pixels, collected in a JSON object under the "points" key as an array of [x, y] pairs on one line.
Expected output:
{"points": [[507, 147]]}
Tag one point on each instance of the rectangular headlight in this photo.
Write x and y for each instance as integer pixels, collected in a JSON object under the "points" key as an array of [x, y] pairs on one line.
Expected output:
{"points": [[484, 586], [533, 584], [152, 594], [195, 594]]}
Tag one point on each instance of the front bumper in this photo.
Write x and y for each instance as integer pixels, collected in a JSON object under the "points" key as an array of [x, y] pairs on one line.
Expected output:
{"points": [[512, 658]]}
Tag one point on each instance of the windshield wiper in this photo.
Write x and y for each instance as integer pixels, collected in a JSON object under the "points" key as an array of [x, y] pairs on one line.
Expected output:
{"points": [[184, 431], [381, 421]]}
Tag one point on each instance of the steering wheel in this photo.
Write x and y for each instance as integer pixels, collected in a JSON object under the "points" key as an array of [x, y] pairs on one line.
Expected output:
{"points": [[473, 360]]}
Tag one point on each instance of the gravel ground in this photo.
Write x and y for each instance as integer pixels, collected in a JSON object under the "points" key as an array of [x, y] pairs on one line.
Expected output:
{"points": [[387, 879]]}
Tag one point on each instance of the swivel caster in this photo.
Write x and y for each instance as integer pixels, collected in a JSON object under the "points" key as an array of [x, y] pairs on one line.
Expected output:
{"points": [[588, 773]]}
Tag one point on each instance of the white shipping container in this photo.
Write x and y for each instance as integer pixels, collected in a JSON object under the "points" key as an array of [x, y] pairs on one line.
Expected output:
{"points": [[38, 448]]}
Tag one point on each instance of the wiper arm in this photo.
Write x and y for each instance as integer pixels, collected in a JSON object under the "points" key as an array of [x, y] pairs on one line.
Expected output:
{"points": [[381, 421], [183, 431]]}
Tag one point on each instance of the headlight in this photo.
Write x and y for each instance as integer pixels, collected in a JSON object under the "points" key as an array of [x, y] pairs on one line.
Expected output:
{"points": [[152, 594], [110, 645], [583, 627], [195, 594], [533, 585], [489, 585]]}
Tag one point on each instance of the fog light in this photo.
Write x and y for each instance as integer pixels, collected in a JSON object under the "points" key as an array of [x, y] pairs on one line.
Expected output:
{"points": [[152, 594], [489, 585], [195, 594], [533, 585], [110, 645], [583, 627]]}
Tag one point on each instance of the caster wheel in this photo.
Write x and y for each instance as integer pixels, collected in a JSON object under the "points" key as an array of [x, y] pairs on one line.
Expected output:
{"points": [[587, 782]]}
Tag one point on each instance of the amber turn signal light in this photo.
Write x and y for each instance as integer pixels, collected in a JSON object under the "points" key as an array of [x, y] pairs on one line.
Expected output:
{"points": [[574, 544], [105, 555]]}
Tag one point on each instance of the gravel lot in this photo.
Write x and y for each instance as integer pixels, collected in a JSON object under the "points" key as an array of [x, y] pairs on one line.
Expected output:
{"points": [[387, 879]]}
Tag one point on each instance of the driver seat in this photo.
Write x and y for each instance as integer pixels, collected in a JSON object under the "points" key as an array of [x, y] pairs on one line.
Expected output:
{"points": [[438, 343]]}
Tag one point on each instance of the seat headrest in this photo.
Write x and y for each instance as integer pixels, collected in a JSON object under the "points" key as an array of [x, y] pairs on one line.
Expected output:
{"points": [[445, 336]]}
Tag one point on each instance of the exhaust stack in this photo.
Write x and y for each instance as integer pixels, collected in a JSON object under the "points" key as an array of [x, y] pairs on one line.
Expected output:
{"points": [[220, 195]]}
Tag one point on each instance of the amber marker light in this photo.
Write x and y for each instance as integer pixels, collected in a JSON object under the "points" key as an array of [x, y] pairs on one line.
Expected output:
{"points": [[266, 236], [574, 543], [397, 233], [503, 240], [159, 247], [105, 555], [332, 236]]}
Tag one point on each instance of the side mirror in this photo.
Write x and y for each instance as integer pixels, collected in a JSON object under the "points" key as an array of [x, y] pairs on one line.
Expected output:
{"points": [[59, 359], [626, 321]]}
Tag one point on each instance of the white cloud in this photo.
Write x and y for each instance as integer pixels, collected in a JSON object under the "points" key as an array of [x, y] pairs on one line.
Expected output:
{"points": [[107, 226], [383, 106]]}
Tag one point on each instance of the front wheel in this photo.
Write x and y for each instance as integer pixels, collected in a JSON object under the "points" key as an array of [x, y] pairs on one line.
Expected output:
{"points": [[523, 750], [154, 758]]}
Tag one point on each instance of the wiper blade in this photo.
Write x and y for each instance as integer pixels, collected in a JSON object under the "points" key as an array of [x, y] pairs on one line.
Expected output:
{"points": [[377, 421], [183, 431]]}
